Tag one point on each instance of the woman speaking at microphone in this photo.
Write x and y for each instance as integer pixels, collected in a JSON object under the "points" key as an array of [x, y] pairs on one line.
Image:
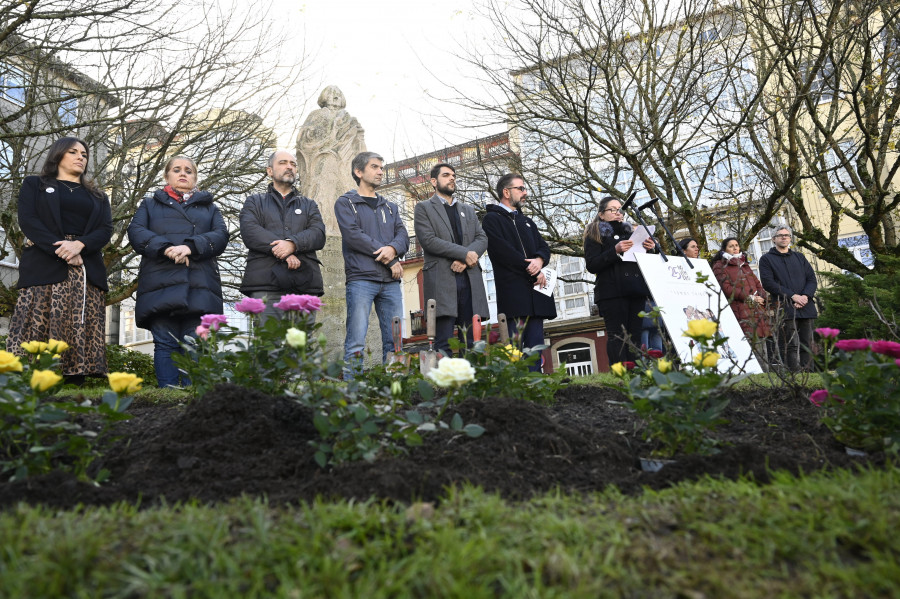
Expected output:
{"points": [[620, 291]]}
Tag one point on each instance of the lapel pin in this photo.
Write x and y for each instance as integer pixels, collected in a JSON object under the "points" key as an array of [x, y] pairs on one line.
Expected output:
{"points": [[298, 211], [50, 190]]}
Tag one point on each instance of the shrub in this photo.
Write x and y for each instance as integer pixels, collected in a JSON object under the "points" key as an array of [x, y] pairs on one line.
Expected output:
{"points": [[681, 404], [37, 434], [848, 302], [122, 359], [861, 398]]}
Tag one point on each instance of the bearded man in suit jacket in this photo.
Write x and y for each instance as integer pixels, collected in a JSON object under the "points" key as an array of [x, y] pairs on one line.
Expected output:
{"points": [[453, 241]]}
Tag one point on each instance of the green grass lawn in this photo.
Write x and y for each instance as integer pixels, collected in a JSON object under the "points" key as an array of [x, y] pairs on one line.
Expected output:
{"points": [[818, 536]]}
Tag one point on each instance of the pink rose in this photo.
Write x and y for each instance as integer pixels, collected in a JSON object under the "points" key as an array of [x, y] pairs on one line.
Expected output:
{"points": [[300, 303], [818, 397], [853, 344], [888, 348], [250, 305], [202, 331], [213, 321], [828, 333]]}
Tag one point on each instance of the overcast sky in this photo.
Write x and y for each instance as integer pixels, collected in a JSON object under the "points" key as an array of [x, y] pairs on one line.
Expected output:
{"points": [[392, 59]]}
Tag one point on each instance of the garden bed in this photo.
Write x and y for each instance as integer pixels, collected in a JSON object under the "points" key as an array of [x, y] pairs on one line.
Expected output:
{"points": [[236, 441]]}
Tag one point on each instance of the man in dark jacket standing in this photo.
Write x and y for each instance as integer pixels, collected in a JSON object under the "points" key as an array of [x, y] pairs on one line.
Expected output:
{"points": [[518, 253], [282, 231], [373, 240], [453, 241], [790, 280]]}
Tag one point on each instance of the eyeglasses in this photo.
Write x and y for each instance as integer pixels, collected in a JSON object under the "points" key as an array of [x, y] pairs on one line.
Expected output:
{"points": [[521, 188], [615, 210], [788, 235]]}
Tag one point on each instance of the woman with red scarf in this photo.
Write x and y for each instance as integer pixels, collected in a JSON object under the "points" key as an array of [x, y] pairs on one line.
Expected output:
{"points": [[178, 232], [745, 293]]}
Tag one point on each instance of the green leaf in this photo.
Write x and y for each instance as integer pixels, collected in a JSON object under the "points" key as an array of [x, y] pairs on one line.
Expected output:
{"points": [[456, 423], [474, 430]]}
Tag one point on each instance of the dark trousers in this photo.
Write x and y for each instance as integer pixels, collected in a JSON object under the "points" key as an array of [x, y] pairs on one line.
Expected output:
{"points": [[443, 325], [795, 336], [623, 326], [530, 332]]}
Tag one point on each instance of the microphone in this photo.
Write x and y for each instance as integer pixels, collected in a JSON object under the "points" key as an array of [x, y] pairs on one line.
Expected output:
{"points": [[628, 202], [648, 204]]}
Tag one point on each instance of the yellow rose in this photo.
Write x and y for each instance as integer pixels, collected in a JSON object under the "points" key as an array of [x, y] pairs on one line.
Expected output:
{"points": [[41, 380], [124, 382], [34, 347], [707, 358], [618, 369], [9, 362], [512, 353], [54, 346], [664, 365], [701, 329]]}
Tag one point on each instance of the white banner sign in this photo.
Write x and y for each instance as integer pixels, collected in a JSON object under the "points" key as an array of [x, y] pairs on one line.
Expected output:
{"points": [[681, 298]]}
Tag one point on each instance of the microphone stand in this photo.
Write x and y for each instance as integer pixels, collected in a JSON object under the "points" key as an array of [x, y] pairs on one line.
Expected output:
{"points": [[652, 204]]}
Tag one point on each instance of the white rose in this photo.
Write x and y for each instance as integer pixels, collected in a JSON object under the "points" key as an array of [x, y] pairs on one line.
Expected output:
{"points": [[295, 337], [452, 372]]}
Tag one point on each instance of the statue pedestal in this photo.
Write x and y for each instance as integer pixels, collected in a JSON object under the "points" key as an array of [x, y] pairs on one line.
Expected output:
{"points": [[334, 307]]}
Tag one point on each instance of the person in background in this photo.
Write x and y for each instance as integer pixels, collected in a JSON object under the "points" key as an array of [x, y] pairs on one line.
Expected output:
{"points": [[690, 247], [373, 240], [746, 296], [791, 282], [62, 277], [651, 338], [178, 232], [620, 291]]}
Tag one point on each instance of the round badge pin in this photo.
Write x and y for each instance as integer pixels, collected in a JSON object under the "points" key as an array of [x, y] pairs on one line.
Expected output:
{"points": [[50, 190], [298, 211]]}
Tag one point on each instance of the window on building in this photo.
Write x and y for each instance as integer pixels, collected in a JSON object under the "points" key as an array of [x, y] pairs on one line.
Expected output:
{"points": [[824, 80], [573, 288], [838, 176], [570, 265], [575, 302], [12, 84], [577, 357], [710, 35]]}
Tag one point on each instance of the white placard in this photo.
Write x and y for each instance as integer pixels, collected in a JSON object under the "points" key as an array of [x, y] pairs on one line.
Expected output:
{"points": [[675, 290], [638, 236], [550, 275]]}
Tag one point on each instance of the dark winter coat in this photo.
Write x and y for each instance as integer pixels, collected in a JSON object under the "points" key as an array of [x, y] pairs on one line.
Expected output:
{"points": [[739, 284], [166, 288], [615, 277], [41, 221], [784, 275], [363, 231], [265, 218], [511, 239], [434, 234]]}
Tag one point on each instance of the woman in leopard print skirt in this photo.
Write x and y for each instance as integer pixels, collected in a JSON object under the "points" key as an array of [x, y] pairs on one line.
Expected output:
{"points": [[62, 278]]}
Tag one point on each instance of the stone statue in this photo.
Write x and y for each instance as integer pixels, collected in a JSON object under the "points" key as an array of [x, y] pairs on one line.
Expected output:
{"points": [[326, 145]]}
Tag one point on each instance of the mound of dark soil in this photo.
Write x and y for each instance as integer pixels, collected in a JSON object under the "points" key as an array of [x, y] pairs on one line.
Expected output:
{"points": [[237, 441]]}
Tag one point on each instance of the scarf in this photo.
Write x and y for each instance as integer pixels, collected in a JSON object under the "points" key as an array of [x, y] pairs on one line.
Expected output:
{"points": [[179, 197]]}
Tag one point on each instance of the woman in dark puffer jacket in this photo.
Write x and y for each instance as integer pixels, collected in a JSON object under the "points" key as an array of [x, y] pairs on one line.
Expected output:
{"points": [[178, 232]]}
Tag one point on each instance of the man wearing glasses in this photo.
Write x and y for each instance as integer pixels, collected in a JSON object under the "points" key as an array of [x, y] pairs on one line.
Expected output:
{"points": [[518, 253], [789, 278]]}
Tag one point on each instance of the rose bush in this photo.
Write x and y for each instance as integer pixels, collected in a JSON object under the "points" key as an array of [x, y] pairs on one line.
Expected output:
{"points": [[861, 399]]}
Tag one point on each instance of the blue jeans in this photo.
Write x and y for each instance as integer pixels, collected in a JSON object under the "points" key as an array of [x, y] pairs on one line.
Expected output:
{"points": [[360, 297], [168, 332]]}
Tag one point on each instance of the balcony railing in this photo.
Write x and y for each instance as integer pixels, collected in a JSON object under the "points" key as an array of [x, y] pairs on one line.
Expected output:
{"points": [[415, 250]]}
